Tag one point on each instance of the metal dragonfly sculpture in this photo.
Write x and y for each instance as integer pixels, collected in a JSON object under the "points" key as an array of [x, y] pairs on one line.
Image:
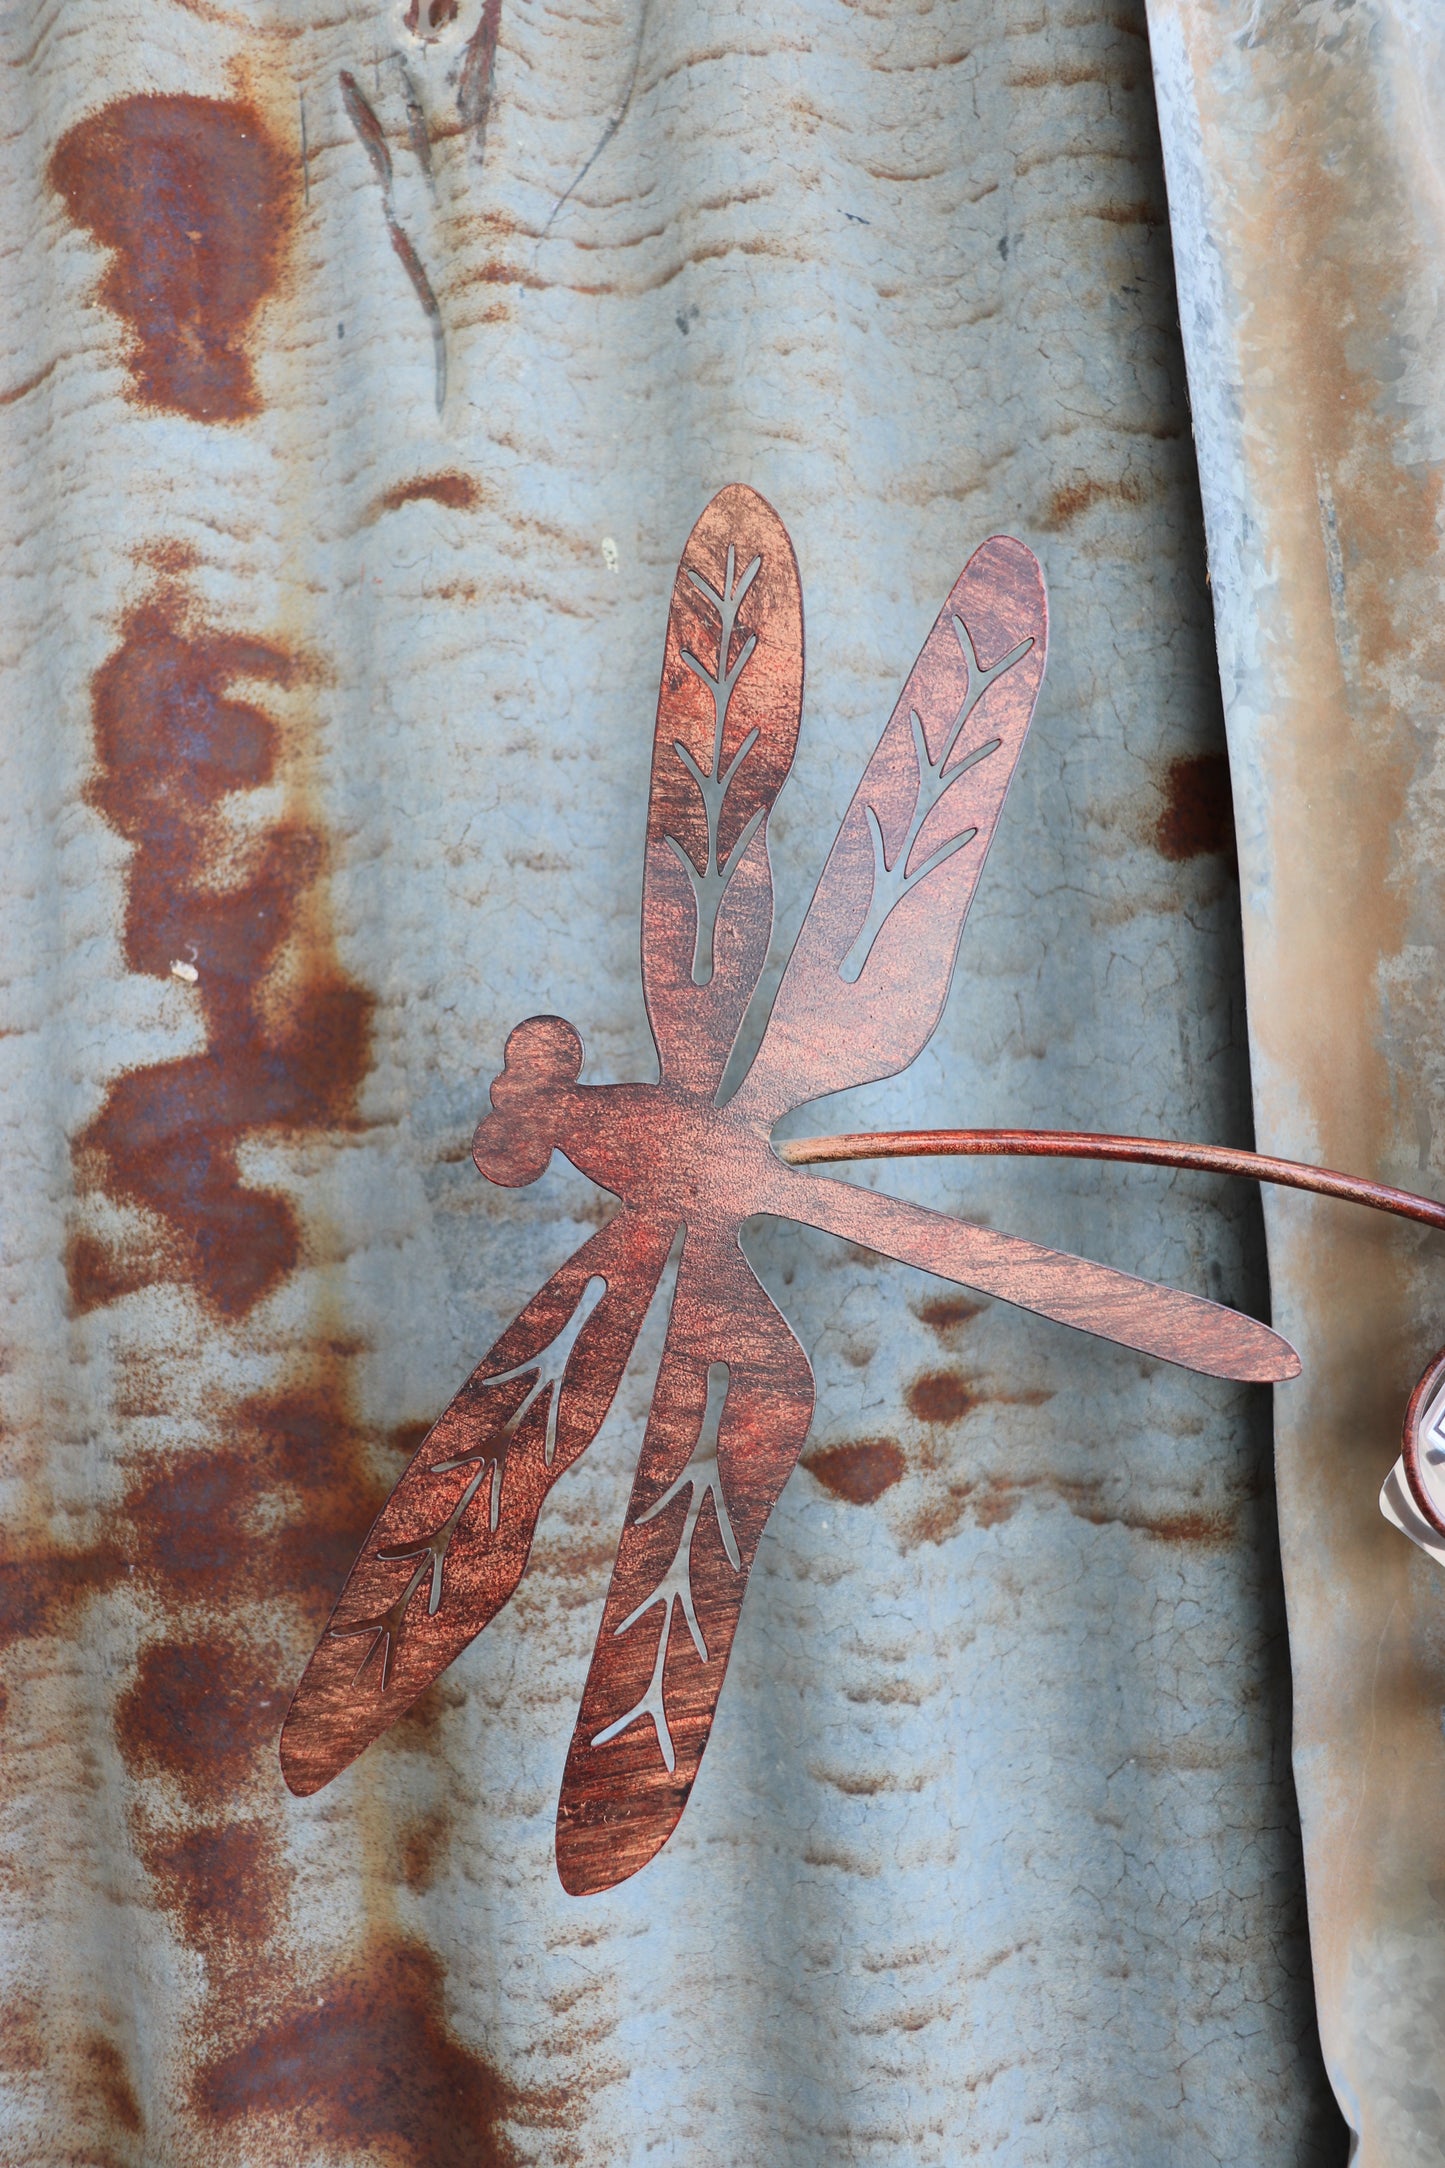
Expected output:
{"points": [[858, 1001]]}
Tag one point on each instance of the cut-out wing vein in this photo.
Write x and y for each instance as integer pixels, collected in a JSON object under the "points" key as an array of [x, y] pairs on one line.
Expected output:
{"points": [[869, 974], [460, 1520], [733, 1402], [727, 726]]}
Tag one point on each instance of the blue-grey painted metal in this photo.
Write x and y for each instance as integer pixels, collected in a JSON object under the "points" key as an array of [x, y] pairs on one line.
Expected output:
{"points": [[993, 1854]]}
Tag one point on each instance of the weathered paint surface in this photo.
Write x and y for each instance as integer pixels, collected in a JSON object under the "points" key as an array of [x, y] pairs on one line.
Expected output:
{"points": [[1302, 147], [340, 697]]}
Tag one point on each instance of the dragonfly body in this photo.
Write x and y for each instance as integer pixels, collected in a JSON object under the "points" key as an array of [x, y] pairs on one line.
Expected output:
{"points": [[861, 995], [666, 1151], [682, 1161]]}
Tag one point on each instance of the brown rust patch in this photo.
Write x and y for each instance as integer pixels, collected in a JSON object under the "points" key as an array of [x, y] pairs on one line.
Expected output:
{"points": [[277, 1512], [991, 1500], [945, 1312], [194, 197], [203, 1711], [31, 383], [1198, 814], [225, 1884], [109, 2083], [300, 1449], [42, 1587], [24, 2036], [458, 492], [415, 1730], [941, 1396], [1069, 74], [365, 2061], [419, 1847], [172, 741], [859, 1472], [1073, 499], [425, 18], [1128, 214], [193, 1519], [315, 1458]]}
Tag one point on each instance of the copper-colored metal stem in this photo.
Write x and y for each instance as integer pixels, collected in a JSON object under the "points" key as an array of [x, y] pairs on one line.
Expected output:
{"points": [[1081, 1144]]}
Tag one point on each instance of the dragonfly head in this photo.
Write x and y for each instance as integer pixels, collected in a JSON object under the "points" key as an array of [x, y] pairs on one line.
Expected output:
{"points": [[514, 1142]]}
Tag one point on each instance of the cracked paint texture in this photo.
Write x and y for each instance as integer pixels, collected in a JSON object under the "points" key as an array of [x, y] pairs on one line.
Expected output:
{"points": [[994, 1855], [1302, 150]]}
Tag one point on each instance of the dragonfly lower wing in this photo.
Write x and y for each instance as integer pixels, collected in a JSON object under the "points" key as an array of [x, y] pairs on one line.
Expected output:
{"points": [[452, 1541], [1141, 1314], [733, 1403]]}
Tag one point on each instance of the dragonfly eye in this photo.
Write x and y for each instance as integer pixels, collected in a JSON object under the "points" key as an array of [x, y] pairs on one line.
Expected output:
{"points": [[514, 1142], [541, 1054]]}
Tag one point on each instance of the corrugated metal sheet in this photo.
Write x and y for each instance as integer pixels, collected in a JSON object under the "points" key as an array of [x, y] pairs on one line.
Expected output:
{"points": [[363, 373], [1304, 169]]}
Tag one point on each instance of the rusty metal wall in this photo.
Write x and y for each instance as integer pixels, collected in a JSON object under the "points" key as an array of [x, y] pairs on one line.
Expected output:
{"points": [[363, 370], [1303, 152]]}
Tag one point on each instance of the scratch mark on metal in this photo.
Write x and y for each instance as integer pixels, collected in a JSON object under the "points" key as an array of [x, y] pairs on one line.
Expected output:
{"points": [[416, 125], [478, 74], [373, 141], [608, 132]]}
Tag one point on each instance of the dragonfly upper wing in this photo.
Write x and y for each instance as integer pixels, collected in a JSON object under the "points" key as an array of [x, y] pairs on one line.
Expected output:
{"points": [[451, 1542], [727, 726], [868, 977], [733, 1403], [1162, 1321]]}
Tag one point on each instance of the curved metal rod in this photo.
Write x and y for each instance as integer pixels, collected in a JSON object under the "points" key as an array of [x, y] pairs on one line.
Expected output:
{"points": [[1081, 1144]]}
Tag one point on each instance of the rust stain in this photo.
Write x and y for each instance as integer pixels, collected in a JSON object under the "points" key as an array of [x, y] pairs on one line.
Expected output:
{"points": [[994, 1499], [194, 197], [42, 1587], [941, 1396], [944, 1313], [172, 742], [193, 1516], [1072, 499], [269, 1516], [318, 1464], [166, 554], [458, 492], [365, 2061], [31, 383], [203, 1710], [1068, 75], [415, 1733], [420, 1845], [1198, 814], [110, 2083], [438, 14], [224, 1884], [23, 2034], [275, 1512], [859, 1472], [1128, 214]]}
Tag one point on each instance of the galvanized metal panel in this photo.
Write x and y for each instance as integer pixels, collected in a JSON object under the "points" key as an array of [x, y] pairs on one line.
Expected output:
{"points": [[363, 373], [1302, 152]]}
